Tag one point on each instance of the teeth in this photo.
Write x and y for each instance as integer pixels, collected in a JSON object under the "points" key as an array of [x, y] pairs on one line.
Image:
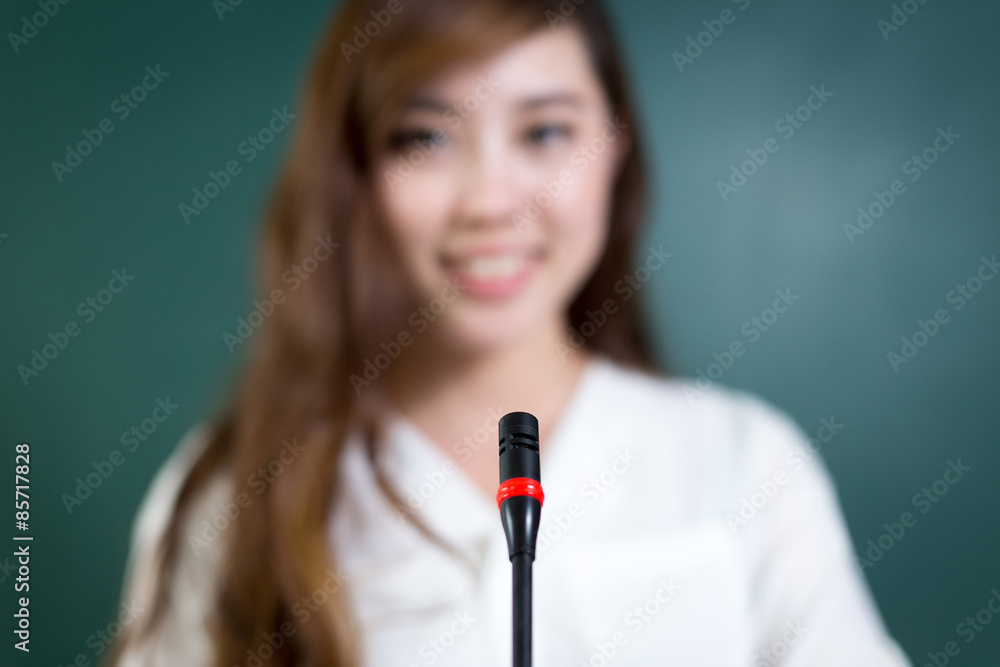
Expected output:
{"points": [[496, 267]]}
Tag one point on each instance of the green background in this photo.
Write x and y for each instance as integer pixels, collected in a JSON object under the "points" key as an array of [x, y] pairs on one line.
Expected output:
{"points": [[826, 357]]}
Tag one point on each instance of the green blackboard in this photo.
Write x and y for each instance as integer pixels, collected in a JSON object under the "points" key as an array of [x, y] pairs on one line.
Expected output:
{"points": [[839, 155]]}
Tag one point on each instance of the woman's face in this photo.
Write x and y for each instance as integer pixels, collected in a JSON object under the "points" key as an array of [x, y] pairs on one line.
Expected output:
{"points": [[496, 183]]}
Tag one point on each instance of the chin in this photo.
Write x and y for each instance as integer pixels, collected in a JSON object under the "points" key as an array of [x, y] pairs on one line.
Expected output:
{"points": [[477, 330]]}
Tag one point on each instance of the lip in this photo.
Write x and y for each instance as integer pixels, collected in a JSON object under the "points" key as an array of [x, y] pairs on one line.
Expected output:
{"points": [[507, 283]]}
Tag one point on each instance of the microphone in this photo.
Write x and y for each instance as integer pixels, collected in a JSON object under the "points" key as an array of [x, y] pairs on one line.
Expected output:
{"points": [[519, 499]]}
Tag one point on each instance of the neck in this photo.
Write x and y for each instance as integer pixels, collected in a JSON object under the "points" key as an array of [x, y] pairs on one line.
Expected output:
{"points": [[449, 392]]}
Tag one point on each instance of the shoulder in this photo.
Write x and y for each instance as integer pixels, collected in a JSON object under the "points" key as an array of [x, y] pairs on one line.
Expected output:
{"points": [[678, 404], [157, 503], [728, 456], [181, 629], [731, 436]]}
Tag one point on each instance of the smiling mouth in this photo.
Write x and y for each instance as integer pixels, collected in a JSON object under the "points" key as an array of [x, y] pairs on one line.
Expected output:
{"points": [[494, 274]]}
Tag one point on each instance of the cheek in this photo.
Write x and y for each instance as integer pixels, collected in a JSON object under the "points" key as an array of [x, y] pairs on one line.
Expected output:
{"points": [[579, 216], [415, 208]]}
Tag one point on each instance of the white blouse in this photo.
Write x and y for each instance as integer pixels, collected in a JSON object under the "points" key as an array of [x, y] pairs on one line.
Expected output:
{"points": [[674, 531]]}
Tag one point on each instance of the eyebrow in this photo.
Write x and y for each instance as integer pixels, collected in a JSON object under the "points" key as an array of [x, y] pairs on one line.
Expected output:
{"points": [[556, 99], [424, 103]]}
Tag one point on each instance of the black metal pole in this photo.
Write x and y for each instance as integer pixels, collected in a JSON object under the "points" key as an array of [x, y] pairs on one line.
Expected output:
{"points": [[522, 609]]}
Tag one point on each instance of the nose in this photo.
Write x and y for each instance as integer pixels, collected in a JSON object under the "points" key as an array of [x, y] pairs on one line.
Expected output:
{"points": [[488, 194]]}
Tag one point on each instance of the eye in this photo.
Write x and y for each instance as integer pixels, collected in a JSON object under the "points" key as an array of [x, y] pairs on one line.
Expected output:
{"points": [[548, 133], [428, 138]]}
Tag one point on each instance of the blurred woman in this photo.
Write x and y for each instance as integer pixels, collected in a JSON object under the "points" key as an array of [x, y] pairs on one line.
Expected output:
{"points": [[462, 202]]}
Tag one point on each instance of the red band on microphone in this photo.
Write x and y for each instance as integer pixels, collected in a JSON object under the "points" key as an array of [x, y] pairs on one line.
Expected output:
{"points": [[520, 486]]}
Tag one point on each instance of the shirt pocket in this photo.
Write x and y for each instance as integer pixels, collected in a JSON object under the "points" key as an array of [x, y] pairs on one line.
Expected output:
{"points": [[679, 596]]}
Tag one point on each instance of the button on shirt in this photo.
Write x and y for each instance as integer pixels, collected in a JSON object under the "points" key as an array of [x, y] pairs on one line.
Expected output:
{"points": [[690, 529]]}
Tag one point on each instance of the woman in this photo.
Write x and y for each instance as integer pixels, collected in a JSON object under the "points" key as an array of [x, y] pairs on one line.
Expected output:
{"points": [[472, 173]]}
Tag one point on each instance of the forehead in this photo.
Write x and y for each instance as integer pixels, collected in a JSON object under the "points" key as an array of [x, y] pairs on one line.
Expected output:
{"points": [[543, 62]]}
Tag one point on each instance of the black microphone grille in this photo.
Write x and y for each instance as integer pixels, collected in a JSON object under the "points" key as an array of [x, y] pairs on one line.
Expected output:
{"points": [[518, 429]]}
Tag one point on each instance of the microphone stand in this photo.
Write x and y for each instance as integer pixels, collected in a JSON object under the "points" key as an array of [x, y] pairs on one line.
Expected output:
{"points": [[519, 499]]}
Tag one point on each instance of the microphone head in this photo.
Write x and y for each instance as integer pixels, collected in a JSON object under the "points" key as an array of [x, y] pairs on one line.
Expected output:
{"points": [[520, 494], [519, 446]]}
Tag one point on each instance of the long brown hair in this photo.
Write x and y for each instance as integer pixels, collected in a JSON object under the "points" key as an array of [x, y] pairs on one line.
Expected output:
{"points": [[296, 382]]}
